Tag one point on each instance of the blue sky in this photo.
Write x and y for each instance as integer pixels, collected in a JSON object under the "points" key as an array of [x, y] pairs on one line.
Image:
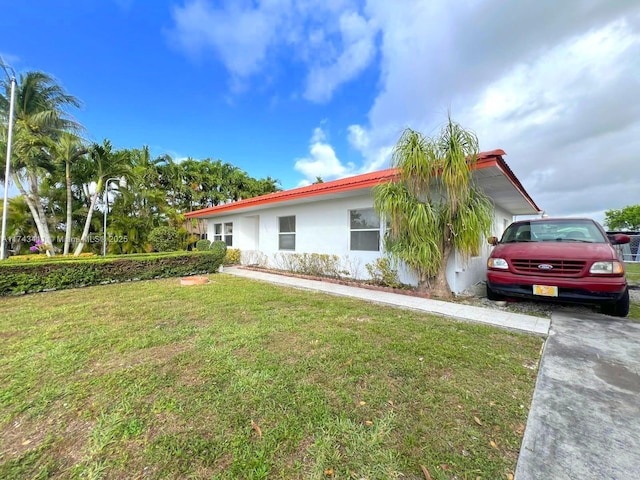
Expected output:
{"points": [[306, 88]]}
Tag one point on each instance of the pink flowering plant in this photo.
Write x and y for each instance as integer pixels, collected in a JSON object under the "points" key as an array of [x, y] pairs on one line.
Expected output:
{"points": [[39, 247]]}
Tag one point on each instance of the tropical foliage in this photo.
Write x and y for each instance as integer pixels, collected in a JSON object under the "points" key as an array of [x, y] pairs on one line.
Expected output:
{"points": [[67, 184], [164, 239], [435, 207], [40, 120], [627, 218]]}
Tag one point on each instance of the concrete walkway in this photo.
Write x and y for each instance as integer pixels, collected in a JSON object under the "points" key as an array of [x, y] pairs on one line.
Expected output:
{"points": [[511, 321], [584, 421]]}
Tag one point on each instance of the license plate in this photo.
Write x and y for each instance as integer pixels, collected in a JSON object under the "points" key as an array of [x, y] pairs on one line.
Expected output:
{"points": [[545, 290]]}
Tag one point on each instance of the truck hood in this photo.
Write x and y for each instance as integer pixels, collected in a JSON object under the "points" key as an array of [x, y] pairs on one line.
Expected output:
{"points": [[555, 250]]}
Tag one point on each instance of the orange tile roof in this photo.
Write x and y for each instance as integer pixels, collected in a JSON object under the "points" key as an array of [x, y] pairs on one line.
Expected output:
{"points": [[357, 182]]}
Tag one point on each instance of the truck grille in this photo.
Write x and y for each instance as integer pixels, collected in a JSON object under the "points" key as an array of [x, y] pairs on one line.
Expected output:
{"points": [[558, 267]]}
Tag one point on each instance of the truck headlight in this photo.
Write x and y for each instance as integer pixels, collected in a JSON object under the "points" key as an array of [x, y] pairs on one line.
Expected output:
{"points": [[607, 268], [500, 263]]}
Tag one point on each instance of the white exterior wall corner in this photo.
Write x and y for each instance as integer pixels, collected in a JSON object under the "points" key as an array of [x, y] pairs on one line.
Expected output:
{"points": [[463, 275]]}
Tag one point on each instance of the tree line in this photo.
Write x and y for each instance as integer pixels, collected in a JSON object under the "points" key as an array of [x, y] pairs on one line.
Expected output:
{"points": [[623, 219], [62, 178]]}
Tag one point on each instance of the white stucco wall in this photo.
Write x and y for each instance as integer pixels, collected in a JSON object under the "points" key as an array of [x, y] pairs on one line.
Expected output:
{"points": [[462, 275], [322, 226]]}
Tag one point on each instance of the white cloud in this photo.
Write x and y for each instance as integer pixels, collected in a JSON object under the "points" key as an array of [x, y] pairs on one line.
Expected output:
{"points": [[562, 116], [540, 92], [376, 155], [318, 135], [553, 85], [322, 161], [358, 39], [239, 33], [331, 39]]}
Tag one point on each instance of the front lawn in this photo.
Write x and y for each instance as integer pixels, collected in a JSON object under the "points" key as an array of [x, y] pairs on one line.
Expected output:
{"points": [[240, 379], [633, 273], [633, 277]]}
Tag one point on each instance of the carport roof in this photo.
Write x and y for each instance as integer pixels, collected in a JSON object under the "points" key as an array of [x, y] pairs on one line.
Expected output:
{"points": [[491, 173]]}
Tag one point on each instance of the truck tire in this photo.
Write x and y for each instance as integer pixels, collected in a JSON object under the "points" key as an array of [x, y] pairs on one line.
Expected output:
{"points": [[619, 308]]}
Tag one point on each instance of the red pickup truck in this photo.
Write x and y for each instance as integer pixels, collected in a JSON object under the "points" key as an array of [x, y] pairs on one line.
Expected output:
{"points": [[561, 259]]}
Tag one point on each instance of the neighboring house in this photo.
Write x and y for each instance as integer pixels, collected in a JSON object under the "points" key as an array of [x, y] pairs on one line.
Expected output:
{"points": [[197, 227], [337, 218]]}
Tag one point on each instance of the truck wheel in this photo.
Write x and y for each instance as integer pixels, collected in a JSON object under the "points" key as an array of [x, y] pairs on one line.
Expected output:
{"points": [[492, 295], [619, 308]]}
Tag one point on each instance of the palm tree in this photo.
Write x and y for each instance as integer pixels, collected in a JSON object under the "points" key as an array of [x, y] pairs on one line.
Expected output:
{"points": [[40, 119], [21, 228], [434, 208], [103, 163], [68, 149], [171, 178], [150, 199]]}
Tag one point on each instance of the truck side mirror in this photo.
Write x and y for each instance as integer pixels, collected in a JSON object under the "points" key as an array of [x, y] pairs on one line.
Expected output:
{"points": [[619, 239], [492, 241]]}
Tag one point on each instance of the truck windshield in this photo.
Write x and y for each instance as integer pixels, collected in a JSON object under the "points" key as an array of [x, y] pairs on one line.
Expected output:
{"points": [[584, 231]]}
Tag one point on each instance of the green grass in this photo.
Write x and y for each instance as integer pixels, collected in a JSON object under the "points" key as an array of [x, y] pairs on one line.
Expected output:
{"points": [[240, 379], [633, 273], [633, 278]]}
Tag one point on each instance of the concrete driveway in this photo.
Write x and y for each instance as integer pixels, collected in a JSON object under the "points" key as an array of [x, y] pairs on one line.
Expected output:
{"points": [[584, 421]]}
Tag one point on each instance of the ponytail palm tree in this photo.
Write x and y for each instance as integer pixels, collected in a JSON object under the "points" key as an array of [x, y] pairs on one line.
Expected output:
{"points": [[434, 208]]}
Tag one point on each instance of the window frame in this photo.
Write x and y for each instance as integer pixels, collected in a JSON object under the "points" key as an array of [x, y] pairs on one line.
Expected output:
{"points": [[287, 234], [377, 230], [220, 233]]}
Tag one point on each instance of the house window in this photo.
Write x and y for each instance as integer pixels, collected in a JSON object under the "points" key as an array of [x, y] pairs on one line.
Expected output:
{"points": [[223, 232], [228, 234], [364, 226], [287, 233]]}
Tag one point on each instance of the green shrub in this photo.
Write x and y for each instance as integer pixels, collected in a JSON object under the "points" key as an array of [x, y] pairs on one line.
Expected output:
{"points": [[314, 264], [219, 248], [383, 273], [164, 239], [232, 257], [202, 245], [69, 272]]}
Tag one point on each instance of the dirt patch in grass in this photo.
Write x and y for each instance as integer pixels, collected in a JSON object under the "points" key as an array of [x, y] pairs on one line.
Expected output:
{"points": [[21, 435], [152, 355], [67, 435]]}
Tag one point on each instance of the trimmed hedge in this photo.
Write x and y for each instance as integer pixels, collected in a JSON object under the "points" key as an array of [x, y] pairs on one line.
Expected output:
{"points": [[30, 277], [219, 247], [164, 239], [203, 244], [37, 257]]}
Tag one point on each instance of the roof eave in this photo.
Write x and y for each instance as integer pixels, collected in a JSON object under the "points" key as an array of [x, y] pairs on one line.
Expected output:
{"points": [[349, 184]]}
